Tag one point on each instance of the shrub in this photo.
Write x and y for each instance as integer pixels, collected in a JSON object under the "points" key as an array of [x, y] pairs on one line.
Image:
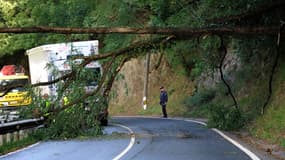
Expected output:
{"points": [[200, 98], [73, 122], [197, 104], [225, 118], [80, 119]]}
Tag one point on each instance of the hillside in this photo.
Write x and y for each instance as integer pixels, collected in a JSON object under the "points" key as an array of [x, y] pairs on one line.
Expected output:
{"points": [[127, 92], [270, 126], [219, 58]]}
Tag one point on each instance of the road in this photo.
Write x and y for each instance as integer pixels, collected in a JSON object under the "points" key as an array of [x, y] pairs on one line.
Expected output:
{"points": [[167, 139], [155, 138]]}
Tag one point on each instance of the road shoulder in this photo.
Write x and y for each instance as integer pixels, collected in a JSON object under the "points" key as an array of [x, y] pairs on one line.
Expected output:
{"points": [[262, 149]]}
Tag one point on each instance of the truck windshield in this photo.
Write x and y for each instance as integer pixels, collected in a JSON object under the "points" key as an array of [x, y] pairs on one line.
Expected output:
{"points": [[4, 83]]}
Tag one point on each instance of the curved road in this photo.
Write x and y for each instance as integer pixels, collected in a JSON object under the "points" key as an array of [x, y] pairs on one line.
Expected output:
{"points": [[155, 138], [169, 139]]}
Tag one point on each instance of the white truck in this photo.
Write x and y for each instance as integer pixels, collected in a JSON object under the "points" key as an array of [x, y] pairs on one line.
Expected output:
{"points": [[58, 55], [63, 56]]}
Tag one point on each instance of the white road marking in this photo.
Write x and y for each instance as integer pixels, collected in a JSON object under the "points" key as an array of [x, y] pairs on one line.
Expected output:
{"points": [[245, 150], [20, 150], [132, 141]]}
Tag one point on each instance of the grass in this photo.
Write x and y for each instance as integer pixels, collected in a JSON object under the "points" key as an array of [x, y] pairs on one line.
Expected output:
{"points": [[13, 146], [151, 110], [270, 126]]}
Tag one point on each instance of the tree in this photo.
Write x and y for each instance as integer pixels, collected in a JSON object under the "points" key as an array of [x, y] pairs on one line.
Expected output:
{"points": [[130, 24]]}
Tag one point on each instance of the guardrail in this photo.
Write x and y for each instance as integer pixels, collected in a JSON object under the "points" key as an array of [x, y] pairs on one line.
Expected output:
{"points": [[14, 131]]}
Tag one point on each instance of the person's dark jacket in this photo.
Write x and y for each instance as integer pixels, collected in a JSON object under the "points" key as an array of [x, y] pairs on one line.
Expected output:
{"points": [[163, 98]]}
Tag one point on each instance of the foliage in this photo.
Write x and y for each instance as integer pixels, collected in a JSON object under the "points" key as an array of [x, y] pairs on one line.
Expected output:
{"points": [[225, 118], [197, 55], [73, 122], [12, 146], [200, 98], [78, 119], [199, 102], [270, 127]]}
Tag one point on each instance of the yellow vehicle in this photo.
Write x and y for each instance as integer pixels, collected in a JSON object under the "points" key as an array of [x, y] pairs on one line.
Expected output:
{"points": [[16, 96]]}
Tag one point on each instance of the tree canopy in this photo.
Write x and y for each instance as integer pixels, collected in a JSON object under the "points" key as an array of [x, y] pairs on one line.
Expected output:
{"points": [[194, 33], [183, 16]]}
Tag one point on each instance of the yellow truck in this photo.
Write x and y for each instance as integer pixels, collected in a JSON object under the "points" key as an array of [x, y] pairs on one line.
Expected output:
{"points": [[17, 96]]}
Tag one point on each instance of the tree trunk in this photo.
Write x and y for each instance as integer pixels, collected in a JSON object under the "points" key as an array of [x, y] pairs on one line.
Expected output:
{"points": [[223, 49], [178, 32], [273, 69]]}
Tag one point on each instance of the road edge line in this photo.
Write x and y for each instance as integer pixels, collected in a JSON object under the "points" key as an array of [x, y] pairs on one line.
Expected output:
{"points": [[235, 143], [245, 150], [20, 150], [132, 141]]}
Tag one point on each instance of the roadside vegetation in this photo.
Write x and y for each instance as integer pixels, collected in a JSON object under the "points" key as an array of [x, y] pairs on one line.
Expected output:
{"points": [[13, 146], [271, 126], [230, 73]]}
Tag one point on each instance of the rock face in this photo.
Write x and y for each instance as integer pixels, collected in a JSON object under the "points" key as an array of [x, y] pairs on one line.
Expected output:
{"points": [[127, 91], [211, 78]]}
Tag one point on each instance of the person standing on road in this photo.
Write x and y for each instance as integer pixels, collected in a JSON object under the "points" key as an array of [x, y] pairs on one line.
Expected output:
{"points": [[163, 101]]}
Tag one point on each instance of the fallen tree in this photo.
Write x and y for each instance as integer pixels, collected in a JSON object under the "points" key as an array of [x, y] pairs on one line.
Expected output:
{"points": [[182, 33]]}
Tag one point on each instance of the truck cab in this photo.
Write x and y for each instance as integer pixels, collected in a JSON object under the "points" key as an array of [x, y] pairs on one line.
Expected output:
{"points": [[16, 96]]}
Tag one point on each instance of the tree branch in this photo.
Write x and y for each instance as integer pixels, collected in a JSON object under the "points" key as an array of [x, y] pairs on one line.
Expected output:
{"points": [[6, 89], [109, 84], [141, 44], [83, 97], [145, 45], [177, 32]]}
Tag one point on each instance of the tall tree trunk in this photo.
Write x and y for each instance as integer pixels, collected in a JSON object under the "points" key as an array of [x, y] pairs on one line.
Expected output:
{"points": [[275, 64], [223, 49]]}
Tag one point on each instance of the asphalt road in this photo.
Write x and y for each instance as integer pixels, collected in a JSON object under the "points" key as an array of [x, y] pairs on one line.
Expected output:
{"points": [[167, 139], [154, 138]]}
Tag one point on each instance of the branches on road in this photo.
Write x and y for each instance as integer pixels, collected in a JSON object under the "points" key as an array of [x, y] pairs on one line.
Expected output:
{"points": [[125, 51], [128, 51], [142, 45], [86, 95]]}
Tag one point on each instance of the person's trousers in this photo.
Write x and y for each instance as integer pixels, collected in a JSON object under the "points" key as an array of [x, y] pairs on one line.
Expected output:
{"points": [[163, 107]]}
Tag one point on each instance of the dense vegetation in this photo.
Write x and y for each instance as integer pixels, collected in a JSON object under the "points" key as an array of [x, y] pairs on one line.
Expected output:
{"points": [[247, 62]]}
